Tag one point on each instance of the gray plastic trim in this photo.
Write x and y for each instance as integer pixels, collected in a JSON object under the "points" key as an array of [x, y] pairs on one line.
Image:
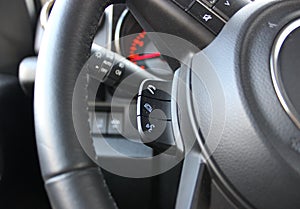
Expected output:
{"points": [[192, 173], [31, 10], [118, 30]]}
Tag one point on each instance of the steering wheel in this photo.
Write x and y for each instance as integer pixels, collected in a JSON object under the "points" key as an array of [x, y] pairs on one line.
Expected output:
{"points": [[243, 111]]}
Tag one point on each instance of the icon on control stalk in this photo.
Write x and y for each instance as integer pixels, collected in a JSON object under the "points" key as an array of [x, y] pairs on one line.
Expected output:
{"points": [[154, 115], [148, 107], [114, 71], [151, 89], [150, 127]]}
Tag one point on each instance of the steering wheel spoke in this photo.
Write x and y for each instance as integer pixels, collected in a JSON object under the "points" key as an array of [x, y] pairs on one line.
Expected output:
{"points": [[194, 186]]}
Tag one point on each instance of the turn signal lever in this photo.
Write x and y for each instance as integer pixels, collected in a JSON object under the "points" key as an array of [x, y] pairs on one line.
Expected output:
{"points": [[105, 66], [113, 69], [153, 96]]}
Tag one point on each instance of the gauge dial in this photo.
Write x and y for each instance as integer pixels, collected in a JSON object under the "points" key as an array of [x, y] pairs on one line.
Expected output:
{"points": [[132, 42]]}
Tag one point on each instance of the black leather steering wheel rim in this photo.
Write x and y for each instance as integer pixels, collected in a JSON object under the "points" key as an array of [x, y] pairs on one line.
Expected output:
{"points": [[72, 180]]}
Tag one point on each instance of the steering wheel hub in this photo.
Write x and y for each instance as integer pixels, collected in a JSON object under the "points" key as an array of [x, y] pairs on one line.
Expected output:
{"points": [[250, 140], [285, 70]]}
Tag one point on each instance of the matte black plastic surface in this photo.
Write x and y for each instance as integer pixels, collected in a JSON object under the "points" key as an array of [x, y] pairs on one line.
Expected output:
{"points": [[209, 3], [158, 134], [227, 8], [211, 21], [156, 89], [184, 4], [166, 17], [156, 109]]}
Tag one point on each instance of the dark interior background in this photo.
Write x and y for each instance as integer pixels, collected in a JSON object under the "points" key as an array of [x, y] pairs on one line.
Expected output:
{"points": [[21, 184]]}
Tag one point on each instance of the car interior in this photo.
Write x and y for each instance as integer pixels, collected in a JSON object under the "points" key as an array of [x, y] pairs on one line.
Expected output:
{"points": [[149, 104]]}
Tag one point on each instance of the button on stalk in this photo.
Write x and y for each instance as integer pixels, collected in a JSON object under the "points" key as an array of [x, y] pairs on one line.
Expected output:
{"points": [[154, 115]]}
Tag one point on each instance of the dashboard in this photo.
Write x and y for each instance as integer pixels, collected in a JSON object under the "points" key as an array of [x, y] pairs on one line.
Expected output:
{"points": [[131, 41]]}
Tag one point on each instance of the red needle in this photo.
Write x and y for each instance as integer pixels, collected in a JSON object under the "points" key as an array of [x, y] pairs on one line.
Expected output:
{"points": [[136, 57]]}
